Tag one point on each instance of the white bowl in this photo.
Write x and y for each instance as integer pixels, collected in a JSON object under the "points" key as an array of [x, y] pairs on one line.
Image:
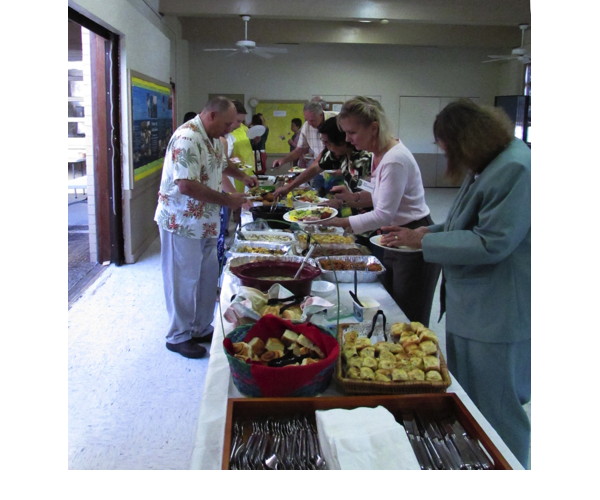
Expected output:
{"points": [[322, 288]]}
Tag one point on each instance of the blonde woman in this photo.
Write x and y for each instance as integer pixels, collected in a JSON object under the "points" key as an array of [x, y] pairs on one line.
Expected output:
{"points": [[398, 199]]}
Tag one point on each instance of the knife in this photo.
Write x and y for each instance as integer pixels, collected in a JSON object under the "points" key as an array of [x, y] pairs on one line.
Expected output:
{"points": [[416, 443], [462, 458], [468, 456], [446, 450], [474, 446], [431, 446]]}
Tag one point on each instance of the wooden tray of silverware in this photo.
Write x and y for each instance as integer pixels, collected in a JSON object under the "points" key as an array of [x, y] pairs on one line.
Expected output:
{"points": [[400, 358], [441, 430]]}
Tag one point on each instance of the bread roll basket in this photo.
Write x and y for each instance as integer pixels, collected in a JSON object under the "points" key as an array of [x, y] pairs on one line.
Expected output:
{"points": [[255, 379]]}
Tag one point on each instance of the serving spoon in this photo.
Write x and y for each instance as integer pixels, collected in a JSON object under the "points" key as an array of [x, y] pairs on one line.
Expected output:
{"points": [[308, 254]]}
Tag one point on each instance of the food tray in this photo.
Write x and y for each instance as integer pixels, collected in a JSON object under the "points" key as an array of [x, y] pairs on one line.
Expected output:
{"points": [[348, 276], [245, 259], [260, 248], [444, 405], [355, 386], [325, 239], [333, 250], [278, 237]]}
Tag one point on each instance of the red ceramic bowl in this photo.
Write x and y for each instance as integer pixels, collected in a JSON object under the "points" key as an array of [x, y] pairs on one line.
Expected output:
{"points": [[265, 273]]}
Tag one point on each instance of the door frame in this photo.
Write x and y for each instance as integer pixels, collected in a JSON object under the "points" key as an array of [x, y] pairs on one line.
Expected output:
{"points": [[106, 126]]}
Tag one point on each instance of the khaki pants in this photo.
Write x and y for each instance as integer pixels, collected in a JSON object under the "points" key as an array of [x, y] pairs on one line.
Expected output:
{"points": [[190, 271]]}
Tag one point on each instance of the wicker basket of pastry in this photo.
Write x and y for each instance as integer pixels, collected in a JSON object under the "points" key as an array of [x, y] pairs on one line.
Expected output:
{"points": [[407, 360], [277, 358]]}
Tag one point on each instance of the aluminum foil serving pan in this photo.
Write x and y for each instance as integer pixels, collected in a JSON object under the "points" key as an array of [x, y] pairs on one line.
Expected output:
{"points": [[241, 248], [279, 237], [324, 239], [333, 250], [368, 268]]}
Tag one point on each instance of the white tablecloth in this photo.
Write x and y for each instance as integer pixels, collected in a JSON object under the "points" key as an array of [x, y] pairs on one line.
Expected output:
{"points": [[219, 386]]}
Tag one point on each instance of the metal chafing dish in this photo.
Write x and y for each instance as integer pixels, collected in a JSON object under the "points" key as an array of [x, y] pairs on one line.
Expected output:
{"points": [[279, 237], [259, 248], [348, 276]]}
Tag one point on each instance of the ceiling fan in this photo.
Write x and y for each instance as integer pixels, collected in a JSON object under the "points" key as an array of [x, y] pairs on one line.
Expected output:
{"points": [[518, 54], [246, 46]]}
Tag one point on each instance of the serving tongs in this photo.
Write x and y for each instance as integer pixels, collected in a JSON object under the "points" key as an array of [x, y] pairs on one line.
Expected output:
{"points": [[354, 294], [292, 298], [374, 324]]}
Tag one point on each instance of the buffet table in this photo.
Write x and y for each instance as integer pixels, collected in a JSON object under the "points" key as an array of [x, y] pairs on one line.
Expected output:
{"points": [[208, 448]]}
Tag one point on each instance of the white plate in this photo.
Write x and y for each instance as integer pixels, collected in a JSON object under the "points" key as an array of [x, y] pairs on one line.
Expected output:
{"points": [[304, 204], [256, 131], [288, 215], [376, 240]]}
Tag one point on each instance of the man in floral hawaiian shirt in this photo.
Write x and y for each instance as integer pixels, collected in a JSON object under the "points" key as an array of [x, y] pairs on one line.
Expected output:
{"points": [[188, 217]]}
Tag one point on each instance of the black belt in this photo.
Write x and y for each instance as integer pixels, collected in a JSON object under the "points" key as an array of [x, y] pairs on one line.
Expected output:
{"points": [[425, 221]]}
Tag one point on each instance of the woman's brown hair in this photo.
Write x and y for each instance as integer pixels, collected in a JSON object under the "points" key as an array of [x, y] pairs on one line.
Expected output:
{"points": [[472, 135]]}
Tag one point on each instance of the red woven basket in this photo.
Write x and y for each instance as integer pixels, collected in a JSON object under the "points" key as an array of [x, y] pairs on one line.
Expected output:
{"points": [[257, 380]]}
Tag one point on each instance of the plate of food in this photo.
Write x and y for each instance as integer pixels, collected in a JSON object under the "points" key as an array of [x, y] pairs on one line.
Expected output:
{"points": [[303, 202], [376, 240], [310, 214]]}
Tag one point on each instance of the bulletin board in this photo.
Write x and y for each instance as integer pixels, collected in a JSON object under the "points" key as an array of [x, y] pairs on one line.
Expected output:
{"points": [[152, 123], [278, 116]]}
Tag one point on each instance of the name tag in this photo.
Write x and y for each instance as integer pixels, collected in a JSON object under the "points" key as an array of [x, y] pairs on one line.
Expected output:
{"points": [[365, 185]]}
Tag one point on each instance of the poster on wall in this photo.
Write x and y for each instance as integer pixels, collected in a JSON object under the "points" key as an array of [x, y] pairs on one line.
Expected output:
{"points": [[152, 117]]}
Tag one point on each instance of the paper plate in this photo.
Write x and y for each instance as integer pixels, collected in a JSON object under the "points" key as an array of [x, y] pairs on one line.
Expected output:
{"points": [[291, 215], [376, 240], [256, 131]]}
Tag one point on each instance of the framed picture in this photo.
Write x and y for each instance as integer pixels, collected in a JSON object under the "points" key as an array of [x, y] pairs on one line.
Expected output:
{"points": [[152, 117]]}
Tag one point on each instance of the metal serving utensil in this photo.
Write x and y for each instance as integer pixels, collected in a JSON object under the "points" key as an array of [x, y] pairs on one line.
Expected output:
{"points": [[417, 444], [306, 257], [468, 458], [374, 324], [437, 440], [482, 458]]}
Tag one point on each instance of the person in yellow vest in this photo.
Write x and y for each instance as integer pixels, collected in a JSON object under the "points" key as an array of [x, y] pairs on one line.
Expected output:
{"points": [[240, 147]]}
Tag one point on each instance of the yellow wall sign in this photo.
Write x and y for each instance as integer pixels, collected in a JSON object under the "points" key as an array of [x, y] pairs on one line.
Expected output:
{"points": [[278, 116]]}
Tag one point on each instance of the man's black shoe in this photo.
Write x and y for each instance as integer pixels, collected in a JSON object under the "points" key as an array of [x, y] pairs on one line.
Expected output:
{"points": [[188, 349], [205, 339]]}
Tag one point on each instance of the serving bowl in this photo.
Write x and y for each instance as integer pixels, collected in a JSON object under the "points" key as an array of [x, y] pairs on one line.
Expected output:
{"points": [[273, 216], [266, 273], [322, 288]]}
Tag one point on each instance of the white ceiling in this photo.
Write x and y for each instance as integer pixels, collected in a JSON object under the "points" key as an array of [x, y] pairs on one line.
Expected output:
{"points": [[432, 23]]}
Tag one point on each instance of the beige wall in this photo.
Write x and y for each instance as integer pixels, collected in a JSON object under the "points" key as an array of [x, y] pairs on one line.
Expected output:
{"points": [[389, 73], [386, 71]]}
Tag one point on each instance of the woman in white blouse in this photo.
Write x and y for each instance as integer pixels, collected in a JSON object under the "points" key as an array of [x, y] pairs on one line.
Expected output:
{"points": [[398, 199]]}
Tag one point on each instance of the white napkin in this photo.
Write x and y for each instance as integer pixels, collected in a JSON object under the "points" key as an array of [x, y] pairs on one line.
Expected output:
{"points": [[250, 300], [364, 439]]}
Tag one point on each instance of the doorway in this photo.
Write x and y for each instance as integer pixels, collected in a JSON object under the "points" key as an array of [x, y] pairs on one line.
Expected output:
{"points": [[94, 166]]}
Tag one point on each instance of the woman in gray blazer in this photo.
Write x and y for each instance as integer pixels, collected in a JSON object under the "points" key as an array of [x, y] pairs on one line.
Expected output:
{"points": [[484, 248]]}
